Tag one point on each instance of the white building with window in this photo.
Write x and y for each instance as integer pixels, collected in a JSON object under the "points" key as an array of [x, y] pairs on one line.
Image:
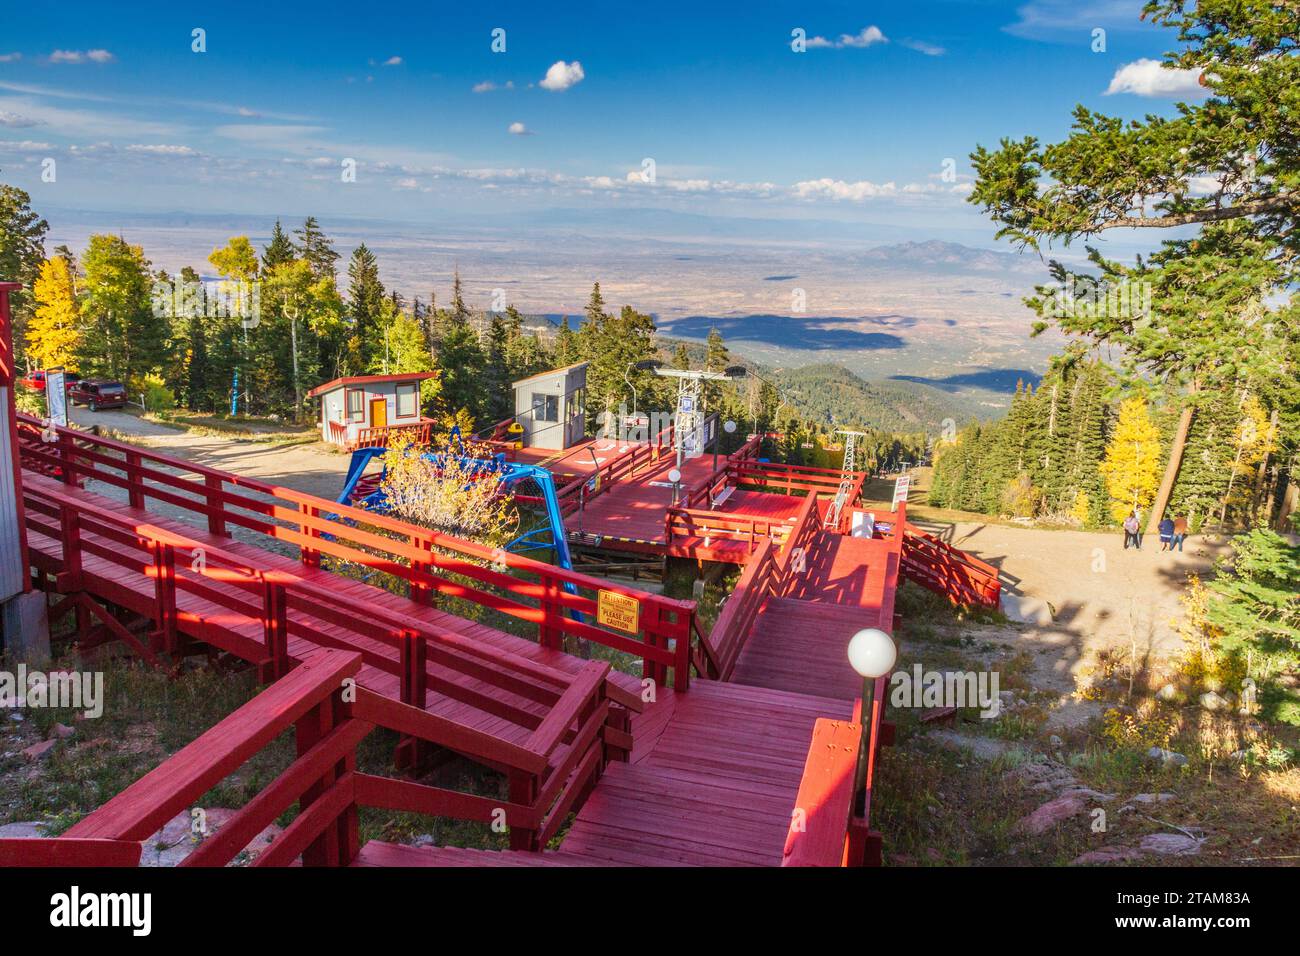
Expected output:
{"points": [[359, 409], [552, 407]]}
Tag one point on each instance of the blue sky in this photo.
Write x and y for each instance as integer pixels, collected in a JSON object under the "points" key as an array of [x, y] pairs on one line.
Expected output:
{"points": [[736, 122]]}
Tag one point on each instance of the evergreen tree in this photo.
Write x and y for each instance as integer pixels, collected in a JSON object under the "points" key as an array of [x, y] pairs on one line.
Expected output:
{"points": [[317, 249], [1116, 173], [123, 337], [279, 251], [22, 253], [365, 300]]}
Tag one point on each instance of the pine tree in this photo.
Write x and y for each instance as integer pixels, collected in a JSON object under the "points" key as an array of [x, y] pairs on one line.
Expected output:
{"points": [[317, 249], [365, 300], [279, 251], [22, 253]]}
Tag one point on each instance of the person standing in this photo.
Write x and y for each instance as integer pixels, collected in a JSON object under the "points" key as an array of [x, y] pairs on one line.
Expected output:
{"points": [[1166, 533], [1180, 533], [1131, 532]]}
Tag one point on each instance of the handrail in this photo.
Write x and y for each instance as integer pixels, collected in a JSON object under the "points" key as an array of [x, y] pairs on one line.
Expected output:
{"points": [[768, 573], [380, 543], [377, 436], [322, 780], [287, 592], [728, 526]]}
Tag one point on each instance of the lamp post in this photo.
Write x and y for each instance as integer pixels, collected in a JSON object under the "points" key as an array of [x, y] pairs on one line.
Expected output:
{"points": [[872, 654]]}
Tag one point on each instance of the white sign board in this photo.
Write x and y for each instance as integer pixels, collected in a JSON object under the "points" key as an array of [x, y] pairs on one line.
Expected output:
{"points": [[900, 490], [56, 399]]}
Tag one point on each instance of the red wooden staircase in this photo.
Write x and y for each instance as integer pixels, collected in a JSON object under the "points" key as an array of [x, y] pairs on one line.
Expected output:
{"points": [[960, 577]]}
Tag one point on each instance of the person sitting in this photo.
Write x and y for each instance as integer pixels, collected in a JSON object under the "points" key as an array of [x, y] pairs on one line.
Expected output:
{"points": [[1166, 533], [1180, 533]]}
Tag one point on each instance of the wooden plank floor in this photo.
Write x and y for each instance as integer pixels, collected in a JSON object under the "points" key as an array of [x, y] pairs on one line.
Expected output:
{"points": [[799, 642], [717, 787]]}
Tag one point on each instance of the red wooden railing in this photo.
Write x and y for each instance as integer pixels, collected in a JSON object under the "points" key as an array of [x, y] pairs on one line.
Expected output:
{"points": [[283, 607], [830, 825], [714, 526], [791, 479], [626, 464], [331, 717], [960, 577], [420, 433], [430, 562], [768, 572]]}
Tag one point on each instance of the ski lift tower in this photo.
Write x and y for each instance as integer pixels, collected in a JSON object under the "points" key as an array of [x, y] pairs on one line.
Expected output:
{"points": [[689, 420], [846, 477]]}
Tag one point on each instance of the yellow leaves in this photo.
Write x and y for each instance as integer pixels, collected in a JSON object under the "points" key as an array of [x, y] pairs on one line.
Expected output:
{"points": [[1082, 508], [54, 331], [446, 494], [236, 260], [1132, 464]]}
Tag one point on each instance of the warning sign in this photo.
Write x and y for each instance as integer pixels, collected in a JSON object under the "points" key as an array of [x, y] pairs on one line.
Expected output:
{"points": [[900, 490], [618, 611]]}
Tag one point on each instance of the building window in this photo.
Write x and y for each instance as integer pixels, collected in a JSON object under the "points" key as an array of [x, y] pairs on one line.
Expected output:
{"points": [[576, 404], [546, 408], [408, 401], [354, 401]]}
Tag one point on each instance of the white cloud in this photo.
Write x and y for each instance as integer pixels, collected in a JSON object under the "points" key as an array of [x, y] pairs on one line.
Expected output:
{"points": [[10, 57], [562, 75], [81, 56], [17, 120], [1042, 18], [920, 46], [1152, 78], [519, 129], [839, 189], [487, 86], [868, 36], [393, 61], [266, 132], [25, 146], [161, 149]]}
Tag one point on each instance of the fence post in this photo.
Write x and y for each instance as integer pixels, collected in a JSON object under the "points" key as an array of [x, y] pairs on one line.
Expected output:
{"points": [[682, 653], [134, 483], [70, 531], [67, 456], [310, 556], [523, 791], [549, 632], [421, 593], [216, 506], [310, 729], [275, 629], [414, 677], [164, 568]]}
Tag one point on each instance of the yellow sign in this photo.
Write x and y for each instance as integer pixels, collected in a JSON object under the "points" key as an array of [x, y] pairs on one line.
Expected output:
{"points": [[618, 611]]}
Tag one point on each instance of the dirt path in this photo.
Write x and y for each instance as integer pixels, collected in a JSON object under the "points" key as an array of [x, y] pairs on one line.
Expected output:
{"points": [[1081, 591]]}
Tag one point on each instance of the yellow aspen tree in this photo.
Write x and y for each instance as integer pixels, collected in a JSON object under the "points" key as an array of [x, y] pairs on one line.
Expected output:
{"points": [[1132, 464], [54, 332]]}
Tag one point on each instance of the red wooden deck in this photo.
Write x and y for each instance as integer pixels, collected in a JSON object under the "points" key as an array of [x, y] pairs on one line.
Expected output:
{"points": [[716, 787], [709, 777]]}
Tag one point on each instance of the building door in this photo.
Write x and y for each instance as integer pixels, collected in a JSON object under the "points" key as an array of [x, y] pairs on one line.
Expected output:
{"points": [[378, 413]]}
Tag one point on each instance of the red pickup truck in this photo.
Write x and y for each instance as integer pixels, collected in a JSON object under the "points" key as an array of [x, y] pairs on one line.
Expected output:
{"points": [[36, 381]]}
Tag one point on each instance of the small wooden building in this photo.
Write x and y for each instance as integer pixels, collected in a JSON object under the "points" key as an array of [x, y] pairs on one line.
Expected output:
{"points": [[552, 407], [359, 410]]}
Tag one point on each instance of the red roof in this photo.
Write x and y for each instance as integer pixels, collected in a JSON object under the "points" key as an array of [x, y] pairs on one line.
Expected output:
{"points": [[370, 380]]}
